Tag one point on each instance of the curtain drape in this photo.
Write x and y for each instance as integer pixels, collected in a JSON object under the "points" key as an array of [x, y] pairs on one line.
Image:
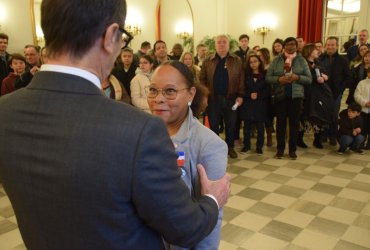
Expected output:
{"points": [[310, 18], [158, 21]]}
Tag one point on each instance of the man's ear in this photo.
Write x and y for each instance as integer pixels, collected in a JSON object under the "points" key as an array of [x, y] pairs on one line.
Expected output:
{"points": [[111, 38]]}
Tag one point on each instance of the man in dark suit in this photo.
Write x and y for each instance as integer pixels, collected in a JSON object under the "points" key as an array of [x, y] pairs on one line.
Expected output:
{"points": [[337, 68], [83, 171]]}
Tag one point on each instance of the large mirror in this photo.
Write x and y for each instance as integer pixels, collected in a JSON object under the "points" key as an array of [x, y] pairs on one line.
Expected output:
{"points": [[175, 23], [171, 21]]}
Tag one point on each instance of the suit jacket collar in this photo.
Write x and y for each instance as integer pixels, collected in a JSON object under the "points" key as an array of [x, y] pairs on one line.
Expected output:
{"points": [[55, 81]]}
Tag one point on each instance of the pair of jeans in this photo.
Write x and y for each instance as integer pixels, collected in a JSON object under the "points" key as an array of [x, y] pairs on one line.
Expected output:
{"points": [[260, 134], [287, 108], [333, 126], [353, 142], [221, 107]]}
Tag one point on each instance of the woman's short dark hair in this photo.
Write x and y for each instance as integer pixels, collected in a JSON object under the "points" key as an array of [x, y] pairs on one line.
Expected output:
{"points": [[196, 105], [71, 27], [16, 56], [307, 50], [148, 58], [277, 40], [363, 58], [289, 39], [266, 54]]}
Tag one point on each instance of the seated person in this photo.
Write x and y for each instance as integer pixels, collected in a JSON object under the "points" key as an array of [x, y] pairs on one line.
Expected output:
{"points": [[350, 124]]}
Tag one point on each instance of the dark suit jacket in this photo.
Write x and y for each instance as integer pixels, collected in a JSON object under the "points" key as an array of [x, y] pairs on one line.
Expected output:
{"points": [[83, 171], [338, 72]]}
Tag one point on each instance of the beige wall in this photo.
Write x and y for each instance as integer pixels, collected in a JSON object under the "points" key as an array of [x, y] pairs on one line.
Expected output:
{"points": [[15, 21], [146, 9], [211, 17]]}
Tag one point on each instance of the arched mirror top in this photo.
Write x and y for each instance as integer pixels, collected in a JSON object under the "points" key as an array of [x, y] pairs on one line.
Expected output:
{"points": [[174, 23]]}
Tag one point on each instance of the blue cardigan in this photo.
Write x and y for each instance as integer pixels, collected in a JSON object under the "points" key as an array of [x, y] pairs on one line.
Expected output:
{"points": [[201, 145]]}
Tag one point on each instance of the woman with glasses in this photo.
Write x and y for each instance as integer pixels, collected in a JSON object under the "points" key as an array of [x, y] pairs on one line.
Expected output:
{"points": [[140, 81], [172, 95]]}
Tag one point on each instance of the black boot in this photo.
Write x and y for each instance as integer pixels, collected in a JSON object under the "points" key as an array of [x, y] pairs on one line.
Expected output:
{"points": [[317, 140], [300, 142]]}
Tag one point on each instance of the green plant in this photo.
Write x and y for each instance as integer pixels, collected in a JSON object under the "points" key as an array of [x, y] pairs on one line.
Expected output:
{"points": [[188, 44], [210, 43]]}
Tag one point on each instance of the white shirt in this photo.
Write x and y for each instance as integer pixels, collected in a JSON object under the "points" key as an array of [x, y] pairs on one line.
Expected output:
{"points": [[72, 71]]}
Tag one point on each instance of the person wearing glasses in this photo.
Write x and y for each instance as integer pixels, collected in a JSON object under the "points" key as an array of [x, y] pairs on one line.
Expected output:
{"points": [[172, 97], [83, 171]]}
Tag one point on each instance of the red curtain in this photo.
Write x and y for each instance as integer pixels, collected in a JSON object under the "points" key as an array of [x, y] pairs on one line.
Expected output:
{"points": [[310, 18], [158, 21]]}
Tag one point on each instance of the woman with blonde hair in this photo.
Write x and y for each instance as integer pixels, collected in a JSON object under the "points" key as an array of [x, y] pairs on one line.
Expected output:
{"points": [[187, 58]]}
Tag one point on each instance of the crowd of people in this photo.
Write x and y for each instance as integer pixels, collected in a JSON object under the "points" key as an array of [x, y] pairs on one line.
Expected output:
{"points": [[150, 171], [296, 82]]}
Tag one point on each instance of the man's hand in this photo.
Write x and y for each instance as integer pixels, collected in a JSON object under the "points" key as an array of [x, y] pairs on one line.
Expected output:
{"points": [[34, 70], [239, 100], [220, 189]]}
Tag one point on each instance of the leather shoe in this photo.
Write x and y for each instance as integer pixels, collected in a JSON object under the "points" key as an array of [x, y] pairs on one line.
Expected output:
{"points": [[333, 141], [292, 155], [232, 153], [279, 154]]}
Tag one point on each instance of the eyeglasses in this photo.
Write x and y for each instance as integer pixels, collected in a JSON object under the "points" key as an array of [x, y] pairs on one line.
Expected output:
{"points": [[168, 93], [126, 37]]}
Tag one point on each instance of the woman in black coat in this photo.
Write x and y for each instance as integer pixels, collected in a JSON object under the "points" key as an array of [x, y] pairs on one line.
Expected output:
{"points": [[319, 103], [256, 99]]}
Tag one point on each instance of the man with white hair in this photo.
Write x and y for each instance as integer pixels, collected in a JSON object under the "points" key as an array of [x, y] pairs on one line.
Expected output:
{"points": [[223, 74], [363, 36]]}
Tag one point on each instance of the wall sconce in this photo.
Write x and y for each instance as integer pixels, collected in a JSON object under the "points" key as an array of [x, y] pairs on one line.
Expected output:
{"points": [[133, 29], [183, 35], [134, 22], [262, 24], [39, 35], [263, 30], [40, 39], [184, 29]]}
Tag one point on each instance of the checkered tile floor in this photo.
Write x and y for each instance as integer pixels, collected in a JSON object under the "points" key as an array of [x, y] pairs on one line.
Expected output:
{"points": [[319, 201]]}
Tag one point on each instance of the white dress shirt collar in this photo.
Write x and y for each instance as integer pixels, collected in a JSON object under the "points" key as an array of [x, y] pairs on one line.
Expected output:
{"points": [[73, 71]]}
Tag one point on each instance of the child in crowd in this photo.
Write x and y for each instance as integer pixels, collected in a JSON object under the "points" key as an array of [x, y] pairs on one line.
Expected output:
{"points": [[350, 124], [17, 63], [256, 99], [362, 97]]}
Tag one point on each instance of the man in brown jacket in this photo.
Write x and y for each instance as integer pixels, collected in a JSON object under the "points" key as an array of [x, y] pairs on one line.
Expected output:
{"points": [[223, 75]]}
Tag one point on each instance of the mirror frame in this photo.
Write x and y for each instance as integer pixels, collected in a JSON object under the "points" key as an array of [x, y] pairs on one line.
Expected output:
{"points": [[33, 21], [157, 28]]}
